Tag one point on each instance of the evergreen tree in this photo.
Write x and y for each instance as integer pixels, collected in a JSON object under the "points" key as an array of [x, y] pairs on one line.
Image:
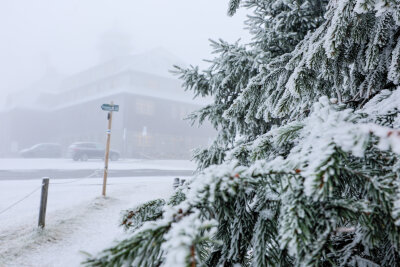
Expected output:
{"points": [[305, 168]]}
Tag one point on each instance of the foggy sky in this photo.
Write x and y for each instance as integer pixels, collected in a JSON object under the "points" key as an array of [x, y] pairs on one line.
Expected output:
{"points": [[64, 35]]}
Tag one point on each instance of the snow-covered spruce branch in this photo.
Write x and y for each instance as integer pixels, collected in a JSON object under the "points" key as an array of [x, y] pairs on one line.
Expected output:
{"points": [[181, 233], [293, 171], [149, 211], [272, 191]]}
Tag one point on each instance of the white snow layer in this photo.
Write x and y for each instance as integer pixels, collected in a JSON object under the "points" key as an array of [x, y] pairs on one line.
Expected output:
{"points": [[78, 218]]}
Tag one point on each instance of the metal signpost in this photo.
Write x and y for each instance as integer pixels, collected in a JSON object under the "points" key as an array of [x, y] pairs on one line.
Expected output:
{"points": [[110, 108]]}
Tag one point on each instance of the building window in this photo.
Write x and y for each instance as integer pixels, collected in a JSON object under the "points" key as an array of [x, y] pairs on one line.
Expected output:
{"points": [[145, 107], [179, 112], [182, 113], [174, 112], [143, 141]]}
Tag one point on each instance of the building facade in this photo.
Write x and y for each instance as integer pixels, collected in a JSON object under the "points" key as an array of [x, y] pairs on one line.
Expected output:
{"points": [[149, 124]]}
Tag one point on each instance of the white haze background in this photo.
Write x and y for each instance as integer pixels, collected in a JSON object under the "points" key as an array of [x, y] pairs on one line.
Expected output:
{"points": [[64, 35]]}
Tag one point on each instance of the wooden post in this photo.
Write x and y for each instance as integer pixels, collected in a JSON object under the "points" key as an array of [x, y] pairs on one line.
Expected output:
{"points": [[43, 202], [176, 183], [107, 151]]}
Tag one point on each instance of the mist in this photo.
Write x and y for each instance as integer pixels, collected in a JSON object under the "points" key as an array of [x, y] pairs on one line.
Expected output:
{"points": [[62, 60], [65, 35]]}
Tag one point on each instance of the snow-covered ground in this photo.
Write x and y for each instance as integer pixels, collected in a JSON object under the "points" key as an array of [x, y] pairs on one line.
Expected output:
{"points": [[68, 164], [78, 218]]}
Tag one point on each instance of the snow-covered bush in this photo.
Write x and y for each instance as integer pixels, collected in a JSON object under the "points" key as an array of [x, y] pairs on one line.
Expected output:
{"points": [[305, 168]]}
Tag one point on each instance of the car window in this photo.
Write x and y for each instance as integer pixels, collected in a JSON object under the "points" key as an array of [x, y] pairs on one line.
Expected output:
{"points": [[77, 145], [86, 145], [99, 146], [41, 147], [53, 147]]}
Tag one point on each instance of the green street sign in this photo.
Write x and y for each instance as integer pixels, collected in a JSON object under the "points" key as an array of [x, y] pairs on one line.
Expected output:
{"points": [[108, 107]]}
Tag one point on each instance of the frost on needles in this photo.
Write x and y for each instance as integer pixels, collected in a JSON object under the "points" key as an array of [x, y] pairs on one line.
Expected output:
{"points": [[305, 168]]}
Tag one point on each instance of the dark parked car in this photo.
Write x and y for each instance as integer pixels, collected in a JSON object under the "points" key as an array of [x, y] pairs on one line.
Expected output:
{"points": [[88, 150], [44, 150]]}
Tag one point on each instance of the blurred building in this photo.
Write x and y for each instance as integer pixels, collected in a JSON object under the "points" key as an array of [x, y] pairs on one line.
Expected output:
{"points": [[149, 123]]}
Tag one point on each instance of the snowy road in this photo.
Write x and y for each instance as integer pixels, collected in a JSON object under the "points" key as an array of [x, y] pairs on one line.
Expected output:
{"points": [[77, 220], [72, 174], [22, 164], [25, 169]]}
